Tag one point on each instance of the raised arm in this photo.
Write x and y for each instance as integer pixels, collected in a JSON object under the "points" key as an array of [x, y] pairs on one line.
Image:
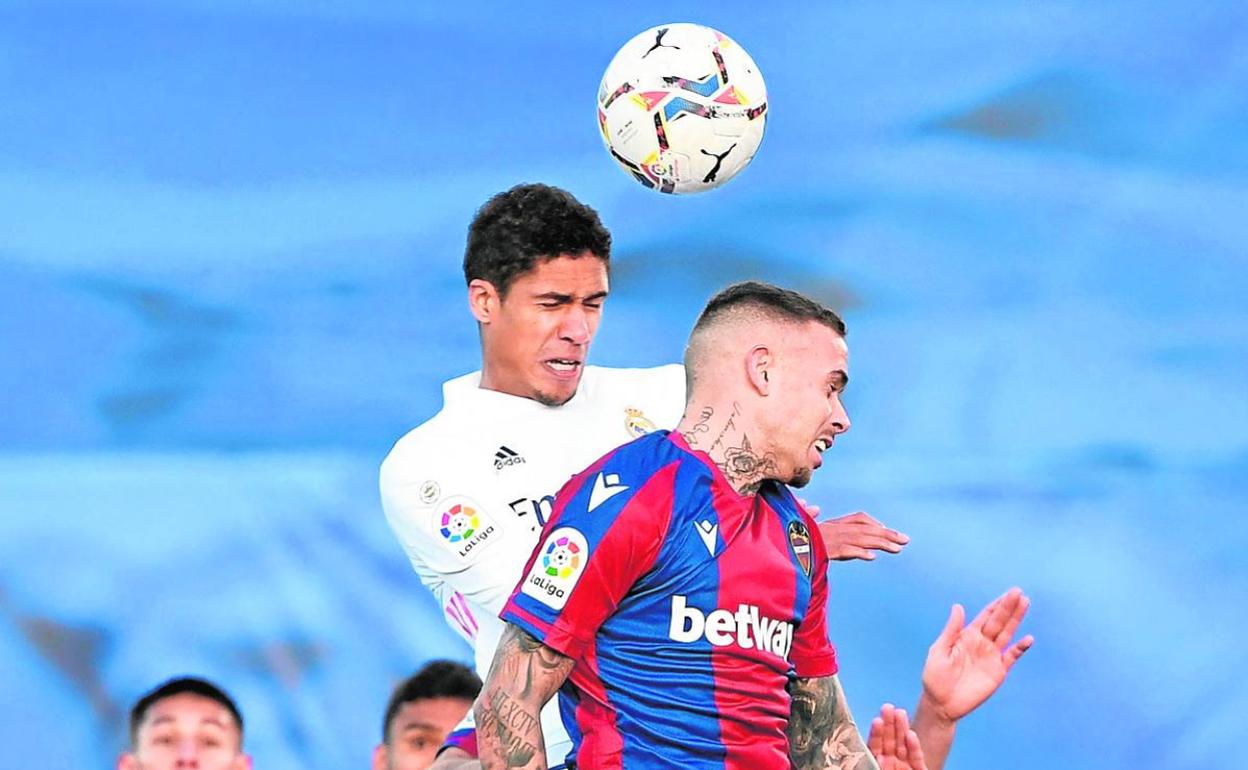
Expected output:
{"points": [[524, 675], [822, 733], [965, 666]]}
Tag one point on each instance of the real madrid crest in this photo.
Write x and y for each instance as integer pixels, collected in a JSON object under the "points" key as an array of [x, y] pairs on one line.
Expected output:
{"points": [[636, 423], [799, 539], [429, 491]]}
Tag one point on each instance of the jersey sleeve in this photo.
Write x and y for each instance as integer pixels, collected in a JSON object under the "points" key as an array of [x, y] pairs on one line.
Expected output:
{"points": [[605, 533], [446, 534], [813, 654]]}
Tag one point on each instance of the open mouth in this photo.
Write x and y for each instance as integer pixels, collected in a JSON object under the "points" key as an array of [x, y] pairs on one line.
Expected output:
{"points": [[821, 445], [563, 367]]}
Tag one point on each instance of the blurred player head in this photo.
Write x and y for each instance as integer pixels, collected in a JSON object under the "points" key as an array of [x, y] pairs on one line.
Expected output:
{"points": [[780, 360], [185, 723], [537, 272], [422, 711]]}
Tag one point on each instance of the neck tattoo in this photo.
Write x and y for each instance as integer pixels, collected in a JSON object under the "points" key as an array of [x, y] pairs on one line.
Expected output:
{"points": [[731, 450]]}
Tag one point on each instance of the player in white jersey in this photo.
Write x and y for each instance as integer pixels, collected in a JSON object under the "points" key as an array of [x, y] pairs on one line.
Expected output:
{"points": [[467, 492]]}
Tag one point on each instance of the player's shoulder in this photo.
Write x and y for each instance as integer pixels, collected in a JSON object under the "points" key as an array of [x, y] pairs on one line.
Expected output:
{"points": [[437, 444], [643, 459], [665, 382], [654, 449]]}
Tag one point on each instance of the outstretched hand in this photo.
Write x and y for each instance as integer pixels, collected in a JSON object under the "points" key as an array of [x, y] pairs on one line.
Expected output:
{"points": [[966, 665], [856, 536], [893, 744]]}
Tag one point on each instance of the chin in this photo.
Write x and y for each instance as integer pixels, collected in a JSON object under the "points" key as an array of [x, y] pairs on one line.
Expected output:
{"points": [[553, 399], [800, 478]]}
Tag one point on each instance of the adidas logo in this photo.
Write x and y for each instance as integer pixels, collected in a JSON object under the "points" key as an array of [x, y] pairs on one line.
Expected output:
{"points": [[505, 457]]}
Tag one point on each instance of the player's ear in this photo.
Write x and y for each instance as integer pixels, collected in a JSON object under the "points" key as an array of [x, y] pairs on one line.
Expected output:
{"points": [[127, 762], [379, 757], [483, 300], [242, 762], [759, 363]]}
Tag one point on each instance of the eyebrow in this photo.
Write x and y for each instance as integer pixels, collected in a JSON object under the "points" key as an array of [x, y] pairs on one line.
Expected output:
{"points": [[169, 718], [565, 298], [417, 726]]}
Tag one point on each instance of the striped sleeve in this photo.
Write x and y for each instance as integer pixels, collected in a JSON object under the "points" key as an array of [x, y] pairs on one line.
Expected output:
{"points": [[605, 533]]}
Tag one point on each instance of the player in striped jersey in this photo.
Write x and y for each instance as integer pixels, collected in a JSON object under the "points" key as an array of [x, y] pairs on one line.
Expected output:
{"points": [[679, 587], [467, 492]]}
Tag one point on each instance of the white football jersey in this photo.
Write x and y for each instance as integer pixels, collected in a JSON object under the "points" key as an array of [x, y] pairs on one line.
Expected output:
{"points": [[467, 492]]}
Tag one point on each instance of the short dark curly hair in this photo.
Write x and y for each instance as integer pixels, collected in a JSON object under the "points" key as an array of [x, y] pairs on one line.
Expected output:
{"points": [[527, 223], [436, 679]]}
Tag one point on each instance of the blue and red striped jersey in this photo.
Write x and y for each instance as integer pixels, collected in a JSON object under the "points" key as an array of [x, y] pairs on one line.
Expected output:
{"points": [[686, 606]]}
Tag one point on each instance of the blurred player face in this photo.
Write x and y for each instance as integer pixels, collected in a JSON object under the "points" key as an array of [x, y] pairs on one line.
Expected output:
{"points": [[187, 731], [535, 339], [417, 732], [806, 417]]}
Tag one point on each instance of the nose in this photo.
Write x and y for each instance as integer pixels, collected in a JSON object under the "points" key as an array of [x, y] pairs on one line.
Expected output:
{"points": [[839, 417], [574, 327], [187, 756]]}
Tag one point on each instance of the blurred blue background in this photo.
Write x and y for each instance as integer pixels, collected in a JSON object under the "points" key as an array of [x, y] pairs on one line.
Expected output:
{"points": [[230, 236]]}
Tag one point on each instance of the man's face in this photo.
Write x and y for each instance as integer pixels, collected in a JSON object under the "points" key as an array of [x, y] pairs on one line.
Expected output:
{"points": [[806, 417], [537, 338], [418, 731], [187, 731]]}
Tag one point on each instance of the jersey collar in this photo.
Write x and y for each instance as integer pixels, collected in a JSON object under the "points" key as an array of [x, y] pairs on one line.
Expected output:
{"points": [[466, 391]]}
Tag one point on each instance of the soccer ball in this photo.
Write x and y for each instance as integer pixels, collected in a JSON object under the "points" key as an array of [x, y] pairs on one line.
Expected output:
{"points": [[682, 108]]}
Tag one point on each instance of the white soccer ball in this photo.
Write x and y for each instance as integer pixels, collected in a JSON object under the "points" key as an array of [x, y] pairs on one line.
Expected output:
{"points": [[682, 108]]}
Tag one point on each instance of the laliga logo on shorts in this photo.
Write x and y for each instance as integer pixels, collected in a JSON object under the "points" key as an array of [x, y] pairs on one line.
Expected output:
{"points": [[745, 627], [462, 527], [555, 573]]}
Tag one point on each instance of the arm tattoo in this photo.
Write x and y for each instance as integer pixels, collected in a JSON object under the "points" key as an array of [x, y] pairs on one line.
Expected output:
{"points": [[822, 733], [524, 675]]}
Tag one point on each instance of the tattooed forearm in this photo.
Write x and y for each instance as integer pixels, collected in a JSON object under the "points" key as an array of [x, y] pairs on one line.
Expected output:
{"points": [[524, 675], [512, 726], [822, 733]]}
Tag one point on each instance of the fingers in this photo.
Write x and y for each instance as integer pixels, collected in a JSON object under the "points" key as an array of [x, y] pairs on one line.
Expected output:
{"points": [[873, 527], [875, 738], [982, 618], [850, 552], [1013, 621], [1015, 652], [953, 626], [889, 714], [901, 726], [855, 535], [914, 751], [1002, 611]]}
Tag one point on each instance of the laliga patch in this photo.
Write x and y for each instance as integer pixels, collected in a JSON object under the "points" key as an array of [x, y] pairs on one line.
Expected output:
{"points": [[464, 527], [636, 423], [799, 540], [556, 570]]}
